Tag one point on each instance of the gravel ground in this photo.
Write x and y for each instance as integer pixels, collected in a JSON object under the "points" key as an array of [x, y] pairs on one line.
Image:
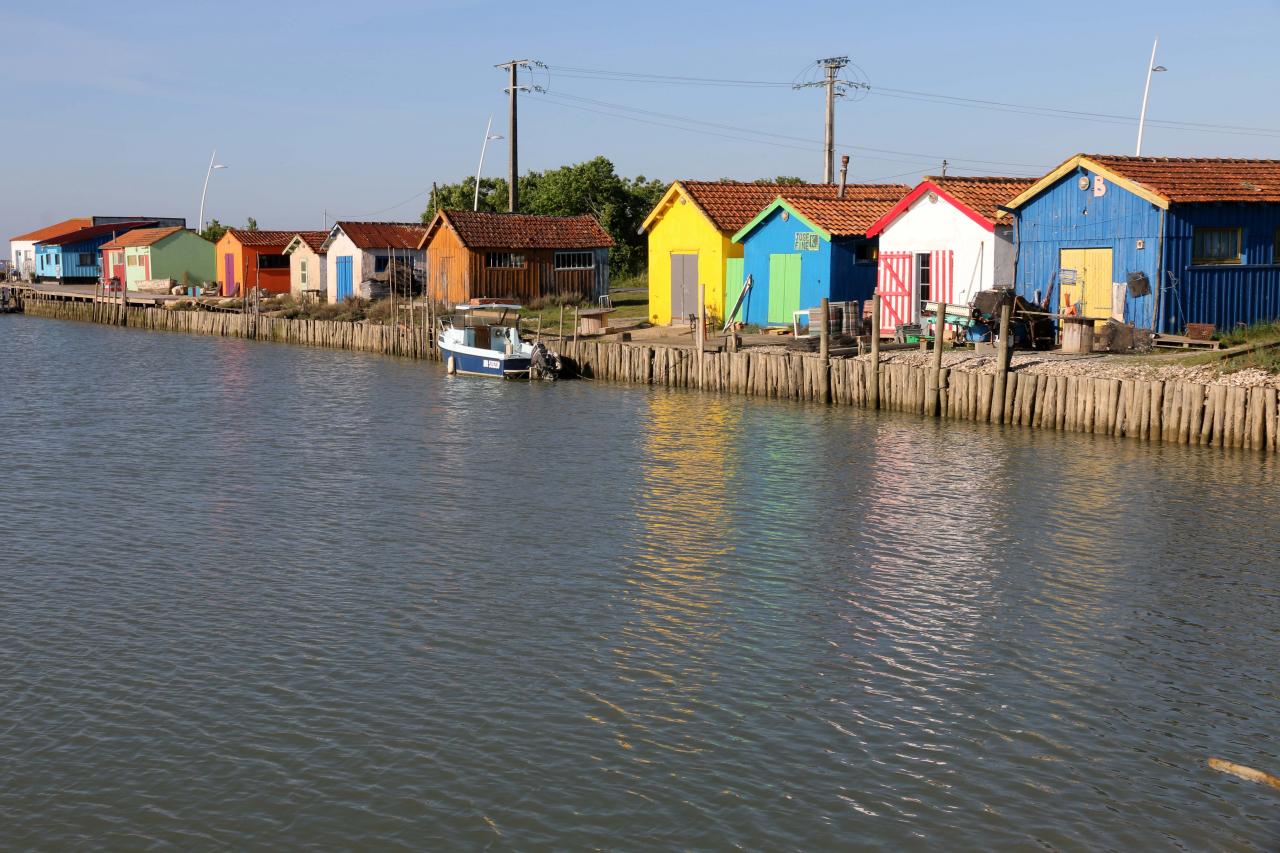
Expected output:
{"points": [[1099, 366]]}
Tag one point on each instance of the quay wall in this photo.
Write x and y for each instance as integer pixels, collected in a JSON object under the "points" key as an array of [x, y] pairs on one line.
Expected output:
{"points": [[1155, 410]]}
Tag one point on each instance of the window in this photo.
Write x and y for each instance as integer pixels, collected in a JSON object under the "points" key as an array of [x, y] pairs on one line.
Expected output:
{"points": [[924, 277], [575, 261], [504, 261], [1215, 246], [273, 262], [1275, 252], [132, 261], [865, 253], [302, 272], [87, 259]]}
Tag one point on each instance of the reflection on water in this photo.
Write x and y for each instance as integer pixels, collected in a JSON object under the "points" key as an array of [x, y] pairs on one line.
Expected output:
{"points": [[334, 600]]}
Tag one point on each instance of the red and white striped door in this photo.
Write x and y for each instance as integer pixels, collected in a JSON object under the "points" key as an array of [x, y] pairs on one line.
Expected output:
{"points": [[897, 291], [942, 266]]}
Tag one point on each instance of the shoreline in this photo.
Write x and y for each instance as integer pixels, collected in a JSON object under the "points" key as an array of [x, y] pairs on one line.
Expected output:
{"points": [[1172, 410]]}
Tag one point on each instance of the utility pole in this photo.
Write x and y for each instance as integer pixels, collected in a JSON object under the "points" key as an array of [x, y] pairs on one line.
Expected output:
{"points": [[513, 170], [831, 67]]}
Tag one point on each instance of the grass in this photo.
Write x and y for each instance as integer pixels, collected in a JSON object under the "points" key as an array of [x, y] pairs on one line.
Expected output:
{"points": [[1261, 359], [630, 297]]}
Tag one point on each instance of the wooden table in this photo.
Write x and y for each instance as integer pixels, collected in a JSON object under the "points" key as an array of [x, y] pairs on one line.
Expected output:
{"points": [[594, 321]]}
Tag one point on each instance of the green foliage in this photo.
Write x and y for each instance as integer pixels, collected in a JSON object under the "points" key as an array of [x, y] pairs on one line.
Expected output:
{"points": [[214, 231], [594, 187], [787, 180], [251, 224]]}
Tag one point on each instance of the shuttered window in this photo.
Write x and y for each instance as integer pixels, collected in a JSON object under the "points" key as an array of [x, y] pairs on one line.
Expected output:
{"points": [[1215, 246], [503, 261], [87, 259], [575, 261], [302, 271]]}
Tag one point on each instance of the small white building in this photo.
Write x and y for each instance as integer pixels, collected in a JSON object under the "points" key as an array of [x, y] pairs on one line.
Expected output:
{"points": [[944, 241], [358, 254], [307, 268]]}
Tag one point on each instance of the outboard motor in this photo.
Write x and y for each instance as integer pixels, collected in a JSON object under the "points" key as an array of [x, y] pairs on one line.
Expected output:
{"points": [[544, 363]]}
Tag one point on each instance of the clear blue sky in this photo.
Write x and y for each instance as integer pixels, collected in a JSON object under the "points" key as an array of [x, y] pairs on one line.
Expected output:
{"points": [[113, 108]]}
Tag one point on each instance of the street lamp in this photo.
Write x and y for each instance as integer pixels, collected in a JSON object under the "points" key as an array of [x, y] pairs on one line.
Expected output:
{"points": [[1142, 119], [475, 205], [212, 165]]}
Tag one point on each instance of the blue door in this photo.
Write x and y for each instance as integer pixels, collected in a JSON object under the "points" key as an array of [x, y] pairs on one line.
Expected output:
{"points": [[344, 277]]}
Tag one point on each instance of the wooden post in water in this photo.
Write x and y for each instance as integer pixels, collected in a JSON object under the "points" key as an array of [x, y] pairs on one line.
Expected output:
{"points": [[700, 336], [561, 344], [824, 352], [1002, 368], [933, 392], [874, 373]]}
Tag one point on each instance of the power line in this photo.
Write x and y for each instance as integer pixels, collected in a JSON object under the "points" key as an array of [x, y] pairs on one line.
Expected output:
{"points": [[932, 97]]}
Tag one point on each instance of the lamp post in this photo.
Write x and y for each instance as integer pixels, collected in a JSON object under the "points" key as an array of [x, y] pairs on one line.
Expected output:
{"points": [[212, 165], [1142, 118], [475, 205]]}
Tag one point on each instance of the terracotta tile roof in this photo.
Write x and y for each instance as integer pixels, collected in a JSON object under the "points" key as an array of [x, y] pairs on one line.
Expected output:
{"points": [[48, 232], [852, 215], [262, 239], [730, 205], [383, 235], [1199, 179], [142, 237], [525, 230], [94, 231], [981, 194], [314, 240]]}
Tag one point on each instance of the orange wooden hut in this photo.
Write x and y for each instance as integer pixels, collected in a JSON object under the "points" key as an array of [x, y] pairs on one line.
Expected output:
{"points": [[253, 257], [518, 256]]}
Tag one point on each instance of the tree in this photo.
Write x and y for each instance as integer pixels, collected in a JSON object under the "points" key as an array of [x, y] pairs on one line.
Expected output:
{"points": [[251, 225], [594, 187], [214, 231]]}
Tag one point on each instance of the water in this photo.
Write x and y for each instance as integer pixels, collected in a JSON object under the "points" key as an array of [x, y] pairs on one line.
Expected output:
{"points": [[258, 596]]}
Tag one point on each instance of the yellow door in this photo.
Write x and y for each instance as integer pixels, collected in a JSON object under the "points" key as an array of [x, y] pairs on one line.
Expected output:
{"points": [[1085, 277]]}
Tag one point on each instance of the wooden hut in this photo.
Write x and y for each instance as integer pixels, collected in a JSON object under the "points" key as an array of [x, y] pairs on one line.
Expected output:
{"points": [[307, 263], [515, 256], [359, 255], [798, 251], [943, 242], [253, 257], [149, 254]]}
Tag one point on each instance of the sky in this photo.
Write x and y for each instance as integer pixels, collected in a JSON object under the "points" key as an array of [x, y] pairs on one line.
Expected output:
{"points": [[352, 110]]}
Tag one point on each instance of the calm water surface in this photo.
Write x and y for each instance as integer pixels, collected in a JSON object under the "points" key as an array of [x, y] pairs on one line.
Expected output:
{"points": [[256, 596]]}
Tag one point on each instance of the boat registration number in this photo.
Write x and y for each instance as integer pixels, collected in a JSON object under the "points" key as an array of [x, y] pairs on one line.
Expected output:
{"points": [[492, 365]]}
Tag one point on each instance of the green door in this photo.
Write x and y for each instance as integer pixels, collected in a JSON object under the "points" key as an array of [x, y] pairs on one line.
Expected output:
{"points": [[784, 287]]}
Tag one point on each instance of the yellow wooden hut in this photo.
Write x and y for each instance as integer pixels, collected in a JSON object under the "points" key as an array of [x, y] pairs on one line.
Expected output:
{"points": [[691, 242]]}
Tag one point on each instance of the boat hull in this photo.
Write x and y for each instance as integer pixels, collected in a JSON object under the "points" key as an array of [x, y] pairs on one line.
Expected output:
{"points": [[495, 364]]}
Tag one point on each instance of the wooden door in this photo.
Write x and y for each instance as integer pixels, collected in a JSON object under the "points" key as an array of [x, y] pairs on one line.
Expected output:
{"points": [[684, 286], [733, 283], [897, 291], [784, 287], [345, 284], [1084, 276], [229, 274]]}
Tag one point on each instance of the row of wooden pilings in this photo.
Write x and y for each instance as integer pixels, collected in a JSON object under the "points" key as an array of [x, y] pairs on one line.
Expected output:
{"points": [[1153, 410]]}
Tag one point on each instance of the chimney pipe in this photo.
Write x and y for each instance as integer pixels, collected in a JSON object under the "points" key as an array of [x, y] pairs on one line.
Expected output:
{"points": [[844, 173]]}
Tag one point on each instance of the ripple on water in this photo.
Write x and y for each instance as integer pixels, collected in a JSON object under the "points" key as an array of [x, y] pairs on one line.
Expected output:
{"points": [[251, 599]]}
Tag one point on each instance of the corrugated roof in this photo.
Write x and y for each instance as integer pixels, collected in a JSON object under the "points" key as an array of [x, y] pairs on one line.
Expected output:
{"points": [[383, 235], [262, 239], [852, 215], [94, 231], [1199, 179], [982, 195], [142, 237], [48, 232], [478, 230]]}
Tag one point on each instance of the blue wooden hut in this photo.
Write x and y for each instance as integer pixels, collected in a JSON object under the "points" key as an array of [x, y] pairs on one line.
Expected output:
{"points": [[798, 250], [75, 257], [1156, 241]]}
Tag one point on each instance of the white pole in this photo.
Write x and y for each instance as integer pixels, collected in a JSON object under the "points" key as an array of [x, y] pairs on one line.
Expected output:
{"points": [[205, 192], [475, 205], [1142, 119]]}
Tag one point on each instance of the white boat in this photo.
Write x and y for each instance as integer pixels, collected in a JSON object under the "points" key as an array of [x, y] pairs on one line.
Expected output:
{"points": [[483, 339]]}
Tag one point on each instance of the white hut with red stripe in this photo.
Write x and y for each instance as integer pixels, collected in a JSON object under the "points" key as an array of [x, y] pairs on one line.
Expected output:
{"points": [[943, 242]]}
